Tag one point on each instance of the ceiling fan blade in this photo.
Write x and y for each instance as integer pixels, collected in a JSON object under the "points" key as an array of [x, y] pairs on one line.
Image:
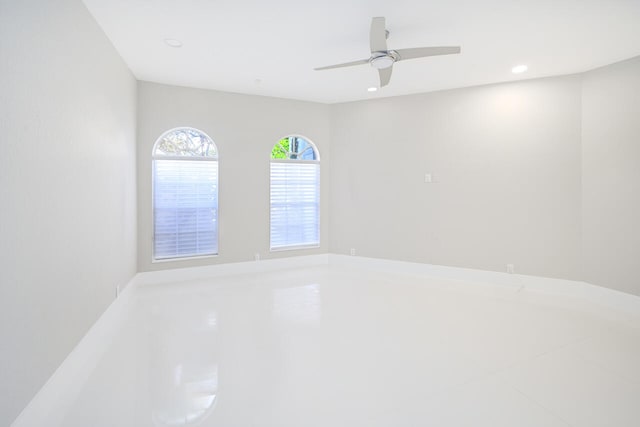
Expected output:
{"points": [[385, 75], [346, 64], [421, 52], [378, 35]]}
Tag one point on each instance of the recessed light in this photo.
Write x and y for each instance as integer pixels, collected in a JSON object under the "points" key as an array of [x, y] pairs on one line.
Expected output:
{"points": [[173, 42], [519, 69], [372, 89]]}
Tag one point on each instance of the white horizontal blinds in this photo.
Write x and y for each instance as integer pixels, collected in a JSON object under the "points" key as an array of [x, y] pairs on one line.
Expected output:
{"points": [[185, 208], [295, 206]]}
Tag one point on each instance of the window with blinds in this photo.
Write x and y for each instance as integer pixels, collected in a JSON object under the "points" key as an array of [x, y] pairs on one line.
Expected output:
{"points": [[295, 194], [185, 195]]}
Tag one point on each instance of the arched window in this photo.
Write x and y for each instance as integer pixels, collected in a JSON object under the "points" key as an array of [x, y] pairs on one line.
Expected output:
{"points": [[295, 194], [185, 195]]}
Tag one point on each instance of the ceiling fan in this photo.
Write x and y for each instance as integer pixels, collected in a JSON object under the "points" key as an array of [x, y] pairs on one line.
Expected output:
{"points": [[383, 59]]}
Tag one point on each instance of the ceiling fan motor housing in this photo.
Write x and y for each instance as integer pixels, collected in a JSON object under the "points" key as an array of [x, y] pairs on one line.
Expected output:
{"points": [[383, 60]]}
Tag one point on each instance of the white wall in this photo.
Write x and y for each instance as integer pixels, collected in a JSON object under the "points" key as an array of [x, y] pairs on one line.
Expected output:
{"points": [[244, 128], [506, 161], [67, 187], [611, 176]]}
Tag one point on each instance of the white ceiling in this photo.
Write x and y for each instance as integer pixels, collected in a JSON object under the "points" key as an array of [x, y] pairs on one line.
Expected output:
{"points": [[271, 47]]}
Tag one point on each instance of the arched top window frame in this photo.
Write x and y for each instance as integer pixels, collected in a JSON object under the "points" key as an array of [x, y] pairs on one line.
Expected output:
{"points": [[187, 147], [193, 145], [291, 154]]}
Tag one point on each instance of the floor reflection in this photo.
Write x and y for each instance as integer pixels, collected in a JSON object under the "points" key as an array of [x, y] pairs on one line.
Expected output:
{"points": [[183, 368], [318, 347]]}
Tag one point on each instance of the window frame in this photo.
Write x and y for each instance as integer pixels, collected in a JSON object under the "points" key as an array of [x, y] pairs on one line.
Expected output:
{"points": [[155, 157], [319, 174]]}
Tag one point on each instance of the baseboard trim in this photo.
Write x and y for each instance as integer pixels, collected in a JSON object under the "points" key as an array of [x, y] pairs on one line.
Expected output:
{"points": [[219, 270], [627, 303], [611, 298], [50, 405]]}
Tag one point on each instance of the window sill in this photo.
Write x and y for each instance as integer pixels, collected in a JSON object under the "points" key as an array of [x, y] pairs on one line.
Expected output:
{"points": [[178, 259], [293, 248]]}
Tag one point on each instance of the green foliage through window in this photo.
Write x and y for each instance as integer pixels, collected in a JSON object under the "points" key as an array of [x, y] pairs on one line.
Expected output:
{"points": [[293, 148], [281, 149]]}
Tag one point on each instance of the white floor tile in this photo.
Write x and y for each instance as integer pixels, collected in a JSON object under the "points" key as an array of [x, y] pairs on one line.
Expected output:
{"points": [[489, 403], [615, 349], [581, 393], [338, 347]]}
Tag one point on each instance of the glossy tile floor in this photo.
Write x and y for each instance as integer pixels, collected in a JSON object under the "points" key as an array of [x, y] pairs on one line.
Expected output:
{"points": [[333, 346]]}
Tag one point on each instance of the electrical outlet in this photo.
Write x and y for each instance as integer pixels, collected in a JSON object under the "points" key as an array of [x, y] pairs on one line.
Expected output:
{"points": [[352, 251], [428, 178], [511, 269], [256, 256]]}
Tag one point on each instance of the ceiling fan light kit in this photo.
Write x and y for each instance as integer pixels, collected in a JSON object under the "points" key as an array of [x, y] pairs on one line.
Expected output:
{"points": [[383, 59]]}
